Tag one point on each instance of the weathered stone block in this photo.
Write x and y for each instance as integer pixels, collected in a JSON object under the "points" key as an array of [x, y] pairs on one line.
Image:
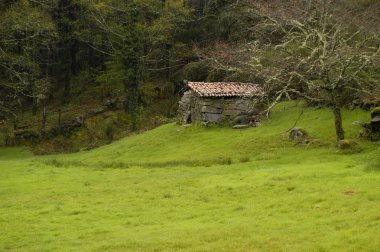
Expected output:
{"points": [[214, 118], [242, 119], [297, 134], [215, 110], [231, 113], [210, 109], [212, 103]]}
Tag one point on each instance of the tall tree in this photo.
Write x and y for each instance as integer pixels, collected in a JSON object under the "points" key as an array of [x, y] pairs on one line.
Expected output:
{"points": [[326, 61], [65, 16], [139, 41], [315, 53], [27, 34]]}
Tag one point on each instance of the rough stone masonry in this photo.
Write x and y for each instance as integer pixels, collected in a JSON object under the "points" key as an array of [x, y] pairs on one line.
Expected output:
{"points": [[219, 102]]}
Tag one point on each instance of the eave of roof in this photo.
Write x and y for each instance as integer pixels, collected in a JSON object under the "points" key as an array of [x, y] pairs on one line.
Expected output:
{"points": [[225, 89]]}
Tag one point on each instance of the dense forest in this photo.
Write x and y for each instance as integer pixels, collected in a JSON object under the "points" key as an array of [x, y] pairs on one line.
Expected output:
{"points": [[66, 60]]}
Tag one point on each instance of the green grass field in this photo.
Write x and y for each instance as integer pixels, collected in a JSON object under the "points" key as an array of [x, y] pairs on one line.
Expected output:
{"points": [[199, 189]]}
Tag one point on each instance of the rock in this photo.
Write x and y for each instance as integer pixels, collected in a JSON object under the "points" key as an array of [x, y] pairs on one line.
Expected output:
{"points": [[255, 123], [206, 124], [358, 123], [371, 130], [297, 134], [375, 124], [212, 118], [346, 144], [230, 112], [210, 109], [242, 119], [79, 121], [241, 126]]}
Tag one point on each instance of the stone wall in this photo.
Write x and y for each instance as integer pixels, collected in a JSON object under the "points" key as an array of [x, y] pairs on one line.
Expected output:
{"points": [[214, 110]]}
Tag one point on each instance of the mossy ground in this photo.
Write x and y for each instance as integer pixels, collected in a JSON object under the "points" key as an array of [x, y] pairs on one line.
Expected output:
{"points": [[199, 189]]}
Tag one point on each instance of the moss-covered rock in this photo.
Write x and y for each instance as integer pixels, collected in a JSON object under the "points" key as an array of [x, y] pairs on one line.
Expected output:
{"points": [[298, 134], [346, 144]]}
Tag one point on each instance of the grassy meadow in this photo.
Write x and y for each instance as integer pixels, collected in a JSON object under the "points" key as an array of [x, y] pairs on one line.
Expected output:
{"points": [[199, 189]]}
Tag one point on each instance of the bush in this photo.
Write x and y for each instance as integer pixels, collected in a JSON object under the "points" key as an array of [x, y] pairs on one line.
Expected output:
{"points": [[3, 138], [244, 159], [109, 129], [195, 71]]}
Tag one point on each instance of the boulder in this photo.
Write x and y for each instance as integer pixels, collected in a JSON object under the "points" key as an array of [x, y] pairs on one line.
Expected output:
{"points": [[375, 124], [297, 134], [346, 144], [242, 119]]}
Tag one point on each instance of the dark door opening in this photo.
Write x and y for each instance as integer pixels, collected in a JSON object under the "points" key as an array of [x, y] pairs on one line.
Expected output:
{"points": [[188, 119]]}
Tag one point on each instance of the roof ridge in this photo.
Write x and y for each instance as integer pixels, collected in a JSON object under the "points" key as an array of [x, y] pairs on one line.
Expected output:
{"points": [[221, 89]]}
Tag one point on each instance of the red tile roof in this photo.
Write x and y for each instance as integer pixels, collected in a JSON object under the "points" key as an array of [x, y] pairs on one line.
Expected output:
{"points": [[223, 89]]}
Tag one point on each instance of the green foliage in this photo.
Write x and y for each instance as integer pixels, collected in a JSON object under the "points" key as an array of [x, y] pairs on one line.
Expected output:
{"points": [[26, 35], [109, 129], [3, 139], [81, 54], [195, 71]]}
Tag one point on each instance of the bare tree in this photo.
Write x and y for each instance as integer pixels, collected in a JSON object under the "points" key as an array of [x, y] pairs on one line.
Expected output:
{"points": [[326, 61], [318, 57]]}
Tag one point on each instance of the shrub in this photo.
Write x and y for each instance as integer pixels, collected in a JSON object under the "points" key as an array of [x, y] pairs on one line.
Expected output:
{"points": [[109, 129], [3, 138], [195, 71], [245, 159]]}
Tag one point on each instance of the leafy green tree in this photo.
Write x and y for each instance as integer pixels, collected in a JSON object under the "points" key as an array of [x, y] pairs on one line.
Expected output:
{"points": [[26, 40], [140, 43]]}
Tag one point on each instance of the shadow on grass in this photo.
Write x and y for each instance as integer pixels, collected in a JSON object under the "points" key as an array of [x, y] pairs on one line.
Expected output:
{"points": [[374, 163], [115, 164], [373, 166]]}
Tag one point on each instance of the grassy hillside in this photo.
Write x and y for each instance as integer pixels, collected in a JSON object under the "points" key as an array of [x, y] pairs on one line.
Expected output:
{"points": [[199, 189]]}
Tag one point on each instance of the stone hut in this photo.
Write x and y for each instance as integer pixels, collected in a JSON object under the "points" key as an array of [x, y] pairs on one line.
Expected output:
{"points": [[215, 102]]}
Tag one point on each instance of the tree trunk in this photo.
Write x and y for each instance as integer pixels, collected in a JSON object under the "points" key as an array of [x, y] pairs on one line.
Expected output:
{"points": [[43, 124], [59, 120], [338, 124], [35, 106], [133, 104]]}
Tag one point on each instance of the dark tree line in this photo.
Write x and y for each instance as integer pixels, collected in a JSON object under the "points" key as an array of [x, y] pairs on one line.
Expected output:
{"points": [[51, 51]]}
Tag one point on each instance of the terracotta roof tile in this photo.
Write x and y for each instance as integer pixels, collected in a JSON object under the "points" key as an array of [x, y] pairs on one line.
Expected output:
{"points": [[225, 89]]}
